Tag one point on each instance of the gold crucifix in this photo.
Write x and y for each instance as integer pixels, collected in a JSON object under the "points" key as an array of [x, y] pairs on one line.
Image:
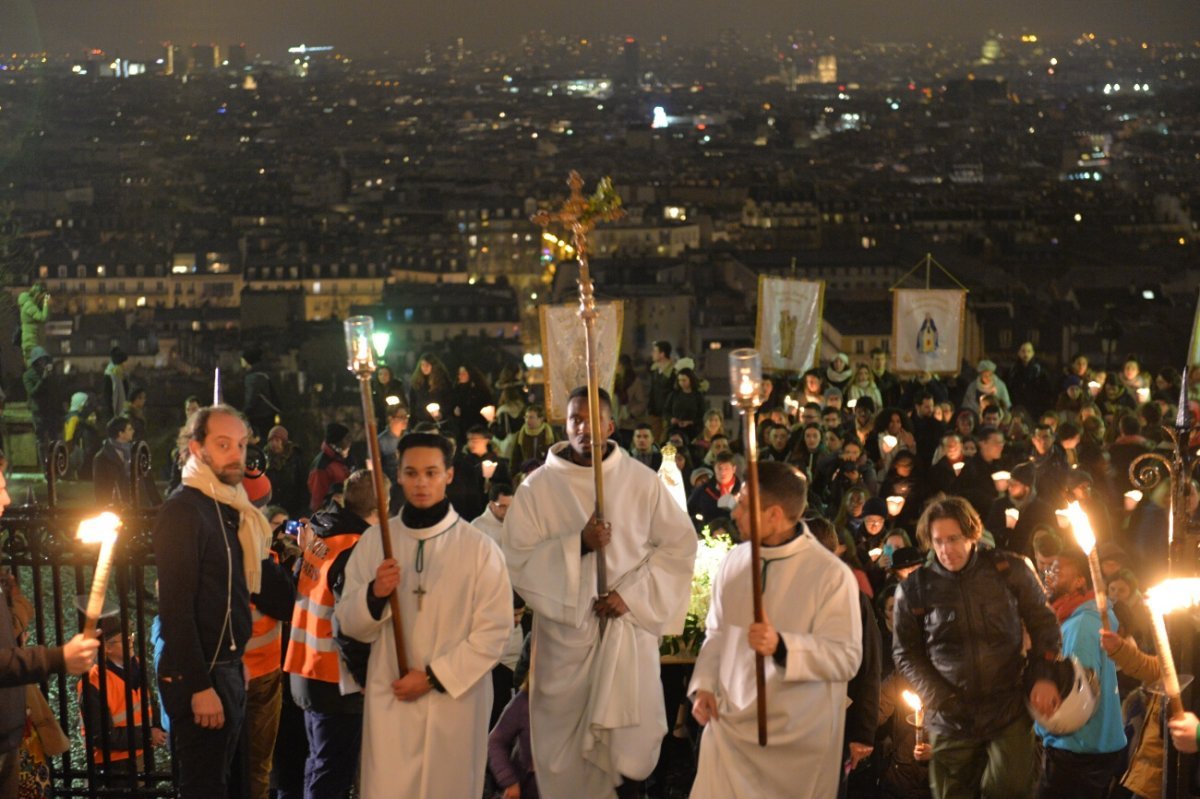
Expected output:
{"points": [[420, 593], [581, 214]]}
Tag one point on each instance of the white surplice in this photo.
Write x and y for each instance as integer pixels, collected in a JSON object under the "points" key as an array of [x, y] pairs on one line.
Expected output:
{"points": [[487, 522], [436, 746], [596, 705], [811, 598]]}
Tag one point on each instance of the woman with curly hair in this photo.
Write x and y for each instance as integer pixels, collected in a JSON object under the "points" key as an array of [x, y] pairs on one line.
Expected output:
{"points": [[469, 395]]}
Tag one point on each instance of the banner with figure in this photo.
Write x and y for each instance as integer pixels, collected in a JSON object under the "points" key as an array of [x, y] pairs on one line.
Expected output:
{"points": [[788, 332], [564, 354], [927, 330]]}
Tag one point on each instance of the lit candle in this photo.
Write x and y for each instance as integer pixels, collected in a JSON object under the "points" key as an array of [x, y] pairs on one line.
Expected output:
{"points": [[1168, 596], [875, 553], [488, 412], [100, 530], [792, 406], [918, 716], [489, 469], [1060, 516], [1001, 480], [1086, 538], [1011, 516], [851, 403], [434, 410], [958, 467], [745, 377], [895, 504], [358, 331], [888, 442], [1093, 387], [1143, 395], [1132, 499], [392, 400]]}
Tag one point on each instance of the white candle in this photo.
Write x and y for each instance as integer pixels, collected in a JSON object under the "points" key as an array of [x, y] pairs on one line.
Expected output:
{"points": [[851, 403], [100, 529], [1001, 480], [434, 410], [489, 469], [888, 442], [1011, 516], [1064, 521], [895, 504], [958, 467], [488, 412], [1143, 395], [1132, 499]]}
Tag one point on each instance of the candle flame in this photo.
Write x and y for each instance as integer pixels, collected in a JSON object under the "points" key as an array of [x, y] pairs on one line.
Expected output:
{"points": [[912, 700], [746, 387], [1174, 594], [99, 529], [1082, 525]]}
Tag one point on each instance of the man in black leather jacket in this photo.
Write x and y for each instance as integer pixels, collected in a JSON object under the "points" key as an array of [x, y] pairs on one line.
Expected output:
{"points": [[958, 640]]}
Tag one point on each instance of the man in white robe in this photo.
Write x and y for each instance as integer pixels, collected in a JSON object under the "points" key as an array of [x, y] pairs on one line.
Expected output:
{"points": [[596, 702], [811, 642], [425, 732]]}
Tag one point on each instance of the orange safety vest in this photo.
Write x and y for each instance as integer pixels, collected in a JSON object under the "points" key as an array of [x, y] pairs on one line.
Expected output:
{"points": [[114, 696], [265, 647], [311, 651]]}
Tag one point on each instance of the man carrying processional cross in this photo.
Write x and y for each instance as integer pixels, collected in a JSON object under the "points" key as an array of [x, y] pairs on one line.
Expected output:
{"points": [[605, 581]]}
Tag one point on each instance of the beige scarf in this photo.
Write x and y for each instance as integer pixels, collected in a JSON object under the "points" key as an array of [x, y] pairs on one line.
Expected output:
{"points": [[254, 531]]}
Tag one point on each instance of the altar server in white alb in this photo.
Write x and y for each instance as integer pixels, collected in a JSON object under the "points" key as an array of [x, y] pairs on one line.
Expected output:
{"points": [[811, 642], [425, 732], [596, 702]]}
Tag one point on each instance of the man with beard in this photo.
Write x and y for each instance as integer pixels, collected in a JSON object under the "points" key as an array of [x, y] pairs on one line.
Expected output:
{"points": [[596, 701], [209, 545], [1014, 531], [1082, 763]]}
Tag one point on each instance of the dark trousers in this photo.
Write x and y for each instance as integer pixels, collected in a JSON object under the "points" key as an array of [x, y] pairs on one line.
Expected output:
{"points": [[1070, 775], [291, 749], [502, 692], [334, 744], [205, 757]]}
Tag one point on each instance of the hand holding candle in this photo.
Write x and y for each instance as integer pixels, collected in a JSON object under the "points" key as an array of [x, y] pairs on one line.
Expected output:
{"points": [[100, 530], [888, 443], [1011, 517], [434, 410], [489, 469], [918, 716]]}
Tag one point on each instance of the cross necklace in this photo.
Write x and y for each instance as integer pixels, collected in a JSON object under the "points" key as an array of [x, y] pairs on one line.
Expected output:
{"points": [[419, 566]]}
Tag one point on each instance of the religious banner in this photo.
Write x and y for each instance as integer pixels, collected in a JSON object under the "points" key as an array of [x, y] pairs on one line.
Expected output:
{"points": [[1194, 344], [564, 355], [788, 332], [927, 330]]}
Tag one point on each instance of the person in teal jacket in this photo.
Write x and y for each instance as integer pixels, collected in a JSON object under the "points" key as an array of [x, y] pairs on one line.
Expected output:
{"points": [[1084, 762], [35, 308]]}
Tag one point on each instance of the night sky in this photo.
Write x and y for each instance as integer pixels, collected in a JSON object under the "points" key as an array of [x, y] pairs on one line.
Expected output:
{"points": [[135, 27]]}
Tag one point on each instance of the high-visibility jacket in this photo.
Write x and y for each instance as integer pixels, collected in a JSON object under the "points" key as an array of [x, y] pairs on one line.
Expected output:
{"points": [[264, 650], [119, 713], [311, 651]]}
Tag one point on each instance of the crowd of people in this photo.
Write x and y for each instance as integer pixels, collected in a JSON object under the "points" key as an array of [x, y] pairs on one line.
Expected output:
{"points": [[914, 543]]}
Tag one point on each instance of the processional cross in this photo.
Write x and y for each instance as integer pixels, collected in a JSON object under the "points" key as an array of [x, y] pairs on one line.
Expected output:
{"points": [[580, 214]]}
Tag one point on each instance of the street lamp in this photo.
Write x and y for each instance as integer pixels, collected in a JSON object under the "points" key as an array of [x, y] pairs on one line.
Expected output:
{"points": [[380, 340]]}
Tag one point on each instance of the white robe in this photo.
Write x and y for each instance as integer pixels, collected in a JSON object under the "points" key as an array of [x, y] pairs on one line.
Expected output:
{"points": [[436, 746], [811, 598], [596, 705], [487, 522]]}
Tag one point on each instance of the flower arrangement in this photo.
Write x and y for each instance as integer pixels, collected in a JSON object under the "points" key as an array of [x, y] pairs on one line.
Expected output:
{"points": [[713, 546]]}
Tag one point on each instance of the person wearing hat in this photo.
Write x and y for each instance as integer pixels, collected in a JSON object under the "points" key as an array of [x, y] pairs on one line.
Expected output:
{"points": [[286, 470], [838, 374], [113, 717], [1083, 762], [1031, 512], [330, 465], [34, 306], [116, 383], [986, 386], [39, 384]]}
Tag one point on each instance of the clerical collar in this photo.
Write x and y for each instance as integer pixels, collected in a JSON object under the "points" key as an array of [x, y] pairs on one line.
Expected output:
{"points": [[420, 518]]}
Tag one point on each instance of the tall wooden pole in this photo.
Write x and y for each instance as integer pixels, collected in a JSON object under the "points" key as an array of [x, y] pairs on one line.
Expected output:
{"points": [[362, 363], [745, 390], [580, 215]]}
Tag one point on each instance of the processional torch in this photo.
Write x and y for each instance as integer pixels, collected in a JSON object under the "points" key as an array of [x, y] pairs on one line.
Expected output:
{"points": [[361, 360], [580, 214], [746, 386], [1168, 596], [100, 530]]}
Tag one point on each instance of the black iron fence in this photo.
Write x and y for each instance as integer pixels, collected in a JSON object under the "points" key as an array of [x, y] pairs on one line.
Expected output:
{"points": [[54, 571]]}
